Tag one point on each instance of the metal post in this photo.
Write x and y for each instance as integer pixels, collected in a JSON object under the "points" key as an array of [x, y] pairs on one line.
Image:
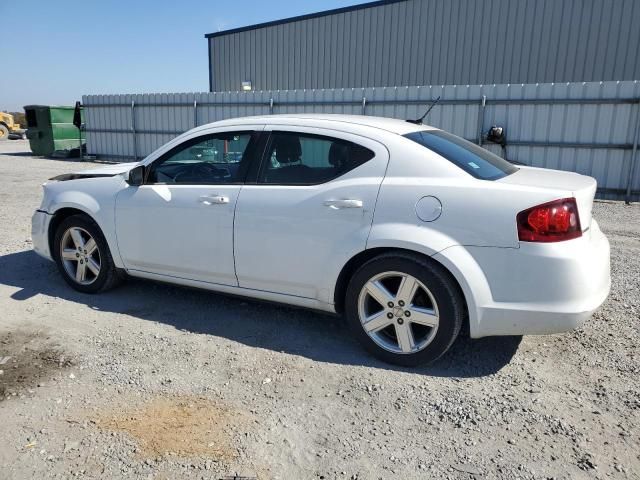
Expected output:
{"points": [[632, 163], [195, 113], [80, 156], [271, 106], [483, 104], [133, 130], [364, 105]]}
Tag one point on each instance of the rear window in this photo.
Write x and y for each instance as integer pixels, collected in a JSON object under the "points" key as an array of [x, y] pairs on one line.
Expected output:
{"points": [[468, 156]]}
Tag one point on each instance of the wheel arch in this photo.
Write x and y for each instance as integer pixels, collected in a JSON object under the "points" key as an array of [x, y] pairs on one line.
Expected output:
{"points": [[114, 274], [59, 216], [364, 256]]}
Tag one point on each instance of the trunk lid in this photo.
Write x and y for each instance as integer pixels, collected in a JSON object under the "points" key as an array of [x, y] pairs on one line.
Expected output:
{"points": [[566, 184]]}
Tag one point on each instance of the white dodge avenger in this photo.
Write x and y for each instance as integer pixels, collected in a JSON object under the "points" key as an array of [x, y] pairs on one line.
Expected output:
{"points": [[409, 231]]}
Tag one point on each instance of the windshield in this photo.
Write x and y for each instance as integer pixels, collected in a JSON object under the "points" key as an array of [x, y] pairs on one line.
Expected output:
{"points": [[468, 156]]}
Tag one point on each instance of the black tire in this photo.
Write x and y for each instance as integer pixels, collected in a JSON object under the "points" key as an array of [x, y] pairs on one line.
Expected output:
{"points": [[109, 276], [444, 289], [4, 132]]}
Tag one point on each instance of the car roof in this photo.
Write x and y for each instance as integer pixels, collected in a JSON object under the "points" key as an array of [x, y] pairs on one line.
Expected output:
{"points": [[327, 120]]}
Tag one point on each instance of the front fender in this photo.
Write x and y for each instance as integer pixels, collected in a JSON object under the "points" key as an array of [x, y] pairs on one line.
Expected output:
{"points": [[98, 205], [78, 200]]}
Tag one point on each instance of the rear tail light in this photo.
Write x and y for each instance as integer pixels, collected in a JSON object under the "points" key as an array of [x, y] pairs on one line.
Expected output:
{"points": [[550, 222]]}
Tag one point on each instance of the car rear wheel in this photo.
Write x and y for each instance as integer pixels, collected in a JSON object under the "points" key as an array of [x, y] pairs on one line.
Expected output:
{"points": [[82, 255], [404, 309]]}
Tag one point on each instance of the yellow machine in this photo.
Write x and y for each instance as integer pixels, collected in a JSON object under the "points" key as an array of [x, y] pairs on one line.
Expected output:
{"points": [[9, 127]]}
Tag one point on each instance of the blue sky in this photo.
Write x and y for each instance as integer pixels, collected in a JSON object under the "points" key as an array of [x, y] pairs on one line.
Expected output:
{"points": [[57, 50]]}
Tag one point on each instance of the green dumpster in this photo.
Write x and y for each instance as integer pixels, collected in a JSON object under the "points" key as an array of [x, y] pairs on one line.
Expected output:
{"points": [[51, 130]]}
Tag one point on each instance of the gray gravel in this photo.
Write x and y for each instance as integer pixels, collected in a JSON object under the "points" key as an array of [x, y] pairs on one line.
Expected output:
{"points": [[155, 381]]}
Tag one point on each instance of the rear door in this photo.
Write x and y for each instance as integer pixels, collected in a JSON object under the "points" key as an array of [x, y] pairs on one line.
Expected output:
{"points": [[309, 210]]}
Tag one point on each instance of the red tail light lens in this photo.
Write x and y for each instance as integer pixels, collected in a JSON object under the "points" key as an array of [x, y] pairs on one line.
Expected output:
{"points": [[550, 222]]}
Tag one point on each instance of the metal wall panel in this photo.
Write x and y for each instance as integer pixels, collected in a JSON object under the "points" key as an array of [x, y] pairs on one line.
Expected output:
{"points": [[589, 128], [437, 42]]}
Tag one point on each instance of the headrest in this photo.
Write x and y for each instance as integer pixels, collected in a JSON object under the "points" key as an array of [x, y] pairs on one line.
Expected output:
{"points": [[288, 148], [339, 154]]}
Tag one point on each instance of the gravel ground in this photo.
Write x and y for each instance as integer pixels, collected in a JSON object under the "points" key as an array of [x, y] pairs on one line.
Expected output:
{"points": [[155, 381]]}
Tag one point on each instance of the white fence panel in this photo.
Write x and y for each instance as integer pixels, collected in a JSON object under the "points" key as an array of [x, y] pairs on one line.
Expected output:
{"points": [[590, 128]]}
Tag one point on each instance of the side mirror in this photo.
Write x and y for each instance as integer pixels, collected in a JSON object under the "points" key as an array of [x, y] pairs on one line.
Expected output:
{"points": [[136, 176]]}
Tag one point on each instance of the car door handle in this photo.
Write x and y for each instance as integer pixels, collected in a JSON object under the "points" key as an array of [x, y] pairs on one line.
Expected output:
{"points": [[345, 203], [213, 199]]}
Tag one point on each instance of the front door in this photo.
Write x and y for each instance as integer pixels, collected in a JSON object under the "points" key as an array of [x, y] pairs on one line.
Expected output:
{"points": [[179, 223], [310, 210]]}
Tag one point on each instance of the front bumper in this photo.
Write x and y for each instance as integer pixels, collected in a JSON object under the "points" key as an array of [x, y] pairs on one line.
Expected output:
{"points": [[534, 289], [40, 233]]}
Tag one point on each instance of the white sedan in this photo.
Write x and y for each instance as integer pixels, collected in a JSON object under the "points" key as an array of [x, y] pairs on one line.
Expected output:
{"points": [[409, 231]]}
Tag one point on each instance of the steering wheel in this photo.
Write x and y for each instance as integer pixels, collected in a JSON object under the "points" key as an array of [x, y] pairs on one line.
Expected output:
{"points": [[201, 172]]}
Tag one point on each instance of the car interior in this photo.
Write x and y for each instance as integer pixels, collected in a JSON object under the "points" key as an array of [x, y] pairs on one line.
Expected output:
{"points": [[215, 160], [299, 159], [292, 159]]}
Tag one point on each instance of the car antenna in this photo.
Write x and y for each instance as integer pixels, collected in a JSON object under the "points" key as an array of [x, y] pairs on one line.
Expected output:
{"points": [[419, 120]]}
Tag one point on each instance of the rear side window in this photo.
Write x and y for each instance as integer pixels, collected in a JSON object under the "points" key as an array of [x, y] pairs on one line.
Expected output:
{"points": [[305, 159], [468, 156]]}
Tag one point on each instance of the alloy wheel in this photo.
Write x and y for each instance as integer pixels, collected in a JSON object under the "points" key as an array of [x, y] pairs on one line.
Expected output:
{"points": [[398, 312], [80, 255]]}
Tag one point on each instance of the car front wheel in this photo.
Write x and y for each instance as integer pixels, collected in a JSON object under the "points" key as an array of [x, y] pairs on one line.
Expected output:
{"points": [[82, 255], [404, 309]]}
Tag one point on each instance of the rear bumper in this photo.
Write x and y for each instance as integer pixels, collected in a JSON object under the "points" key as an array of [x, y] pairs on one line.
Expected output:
{"points": [[534, 289], [537, 319], [40, 233]]}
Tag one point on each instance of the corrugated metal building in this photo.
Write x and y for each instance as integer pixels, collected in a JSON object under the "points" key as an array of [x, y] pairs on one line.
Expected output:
{"points": [[433, 42], [559, 75]]}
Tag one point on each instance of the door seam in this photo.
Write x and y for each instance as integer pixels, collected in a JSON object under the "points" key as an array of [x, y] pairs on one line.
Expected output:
{"points": [[375, 204], [233, 236]]}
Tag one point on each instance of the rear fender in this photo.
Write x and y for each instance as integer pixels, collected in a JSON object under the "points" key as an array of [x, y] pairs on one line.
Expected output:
{"points": [[461, 264], [442, 248], [419, 238]]}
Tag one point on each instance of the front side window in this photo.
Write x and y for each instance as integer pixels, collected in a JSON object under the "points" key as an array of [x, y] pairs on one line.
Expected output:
{"points": [[211, 159], [468, 156], [304, 159]]}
